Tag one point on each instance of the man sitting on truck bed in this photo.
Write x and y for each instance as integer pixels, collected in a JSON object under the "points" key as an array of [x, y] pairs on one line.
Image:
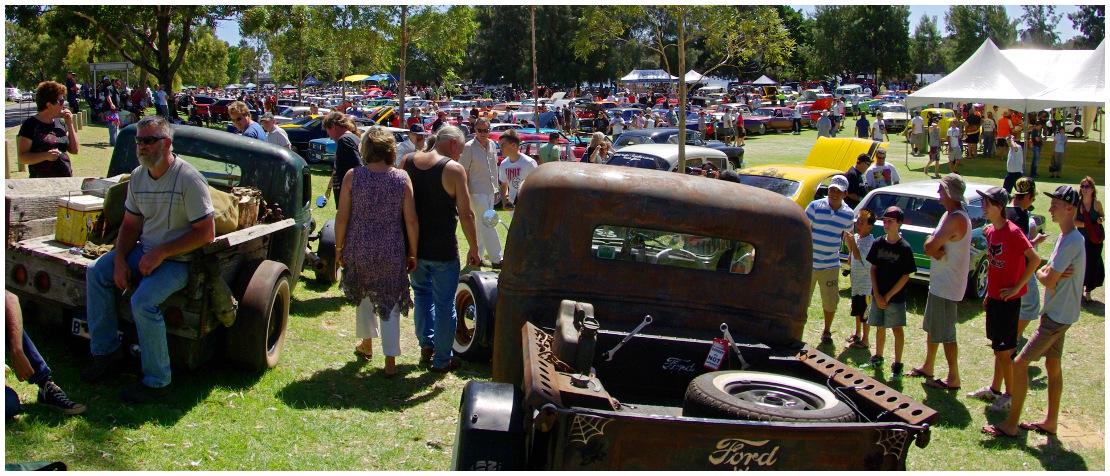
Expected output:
{"points": [[169, 213]]}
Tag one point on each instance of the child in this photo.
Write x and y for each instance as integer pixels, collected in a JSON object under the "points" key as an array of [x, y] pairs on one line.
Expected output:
{"points": [[1012, 262], [1059, 142], [859, 245], [891, 266]]}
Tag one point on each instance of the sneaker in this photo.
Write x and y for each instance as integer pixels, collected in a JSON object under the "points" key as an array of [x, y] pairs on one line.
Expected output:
{"points": [[53, 396], [140, 393], [1000, 405], [896, 370], [986, 393], [876, 362], [102, 365]]}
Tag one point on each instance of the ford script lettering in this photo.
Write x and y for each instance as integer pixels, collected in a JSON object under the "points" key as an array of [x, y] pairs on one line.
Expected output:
{"points": [[675, 364], [742, 453]]}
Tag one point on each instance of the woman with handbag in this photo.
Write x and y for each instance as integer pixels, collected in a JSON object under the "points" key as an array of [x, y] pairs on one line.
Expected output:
{"points": [[1089, 222]]}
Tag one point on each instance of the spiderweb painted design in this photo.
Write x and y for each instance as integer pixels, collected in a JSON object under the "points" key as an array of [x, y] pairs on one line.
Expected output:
{"points": [[585, 428], [892, 441]]}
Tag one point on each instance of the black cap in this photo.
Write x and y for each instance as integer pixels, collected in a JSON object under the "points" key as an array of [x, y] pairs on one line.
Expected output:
{"points": [[998, 195], [1065, 193]]}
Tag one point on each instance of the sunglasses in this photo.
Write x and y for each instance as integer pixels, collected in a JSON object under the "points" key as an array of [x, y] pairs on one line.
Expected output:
{"points": [[237, 119], [1084, 186], [482, 131], [148, 140]]}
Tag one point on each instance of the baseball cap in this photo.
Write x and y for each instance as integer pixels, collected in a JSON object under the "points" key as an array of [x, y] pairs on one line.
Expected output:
{"points": [[1024, 186], [417, 129], [863, 158], [441, 113], [104, 78], [997, 195], [266, 117], [881, 150], [895, 213], [954, 186], [1065, 193], [839, 182]]}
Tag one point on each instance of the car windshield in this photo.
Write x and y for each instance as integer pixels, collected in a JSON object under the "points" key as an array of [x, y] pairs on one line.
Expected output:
{"points": [[895, 108], [763, 112], [626, 140], [921, 211], [303, 120], [785, 187], [668, 248]]}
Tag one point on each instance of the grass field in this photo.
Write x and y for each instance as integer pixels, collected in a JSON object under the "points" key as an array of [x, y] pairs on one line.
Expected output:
{"points": [[320, 409]]}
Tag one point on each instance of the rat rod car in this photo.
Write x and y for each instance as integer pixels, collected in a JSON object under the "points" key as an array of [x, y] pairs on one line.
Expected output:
{"points": [[236, 301], [607, 307]]}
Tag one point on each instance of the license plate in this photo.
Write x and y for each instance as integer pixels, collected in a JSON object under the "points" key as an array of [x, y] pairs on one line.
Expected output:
{"points": [[80, 327]]}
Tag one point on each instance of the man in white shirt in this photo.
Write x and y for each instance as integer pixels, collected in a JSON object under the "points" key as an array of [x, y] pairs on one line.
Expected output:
{"points": [[1015, 164], [514, 169], [955, 150], [918, 134], [274, 134], [414, 143], [797, 119], [878, 128], [479, 159], [880, 174]]}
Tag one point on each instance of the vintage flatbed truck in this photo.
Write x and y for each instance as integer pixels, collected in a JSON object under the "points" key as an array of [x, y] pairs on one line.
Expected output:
{"points": [[620, 289], [259, 264]]}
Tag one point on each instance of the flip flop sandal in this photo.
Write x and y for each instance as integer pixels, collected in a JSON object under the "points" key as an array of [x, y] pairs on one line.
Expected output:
{"points": [[940, 384], [1037, 428], [858, 345], [994, 431], [918, 373], [852, 338]]}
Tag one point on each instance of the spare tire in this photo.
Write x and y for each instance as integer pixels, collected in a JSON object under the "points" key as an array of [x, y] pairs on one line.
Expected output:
{"points": [[742, 395]]}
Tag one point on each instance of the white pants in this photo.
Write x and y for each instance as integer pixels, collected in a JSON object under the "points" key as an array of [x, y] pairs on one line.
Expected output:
{"points": [[488, 242], [366, 327]]}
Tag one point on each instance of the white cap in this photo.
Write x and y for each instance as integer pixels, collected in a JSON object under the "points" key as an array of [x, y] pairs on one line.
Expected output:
{"points": [[839, 182]]}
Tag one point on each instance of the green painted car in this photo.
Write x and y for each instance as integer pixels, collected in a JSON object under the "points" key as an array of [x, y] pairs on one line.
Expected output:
{"points": [[921, 204]]}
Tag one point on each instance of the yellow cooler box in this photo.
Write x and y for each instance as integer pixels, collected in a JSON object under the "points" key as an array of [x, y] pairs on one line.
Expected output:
{"points": [[79, 219]]}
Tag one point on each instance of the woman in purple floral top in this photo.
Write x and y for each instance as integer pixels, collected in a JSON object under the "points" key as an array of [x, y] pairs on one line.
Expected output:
{"points": [[377, 212]]}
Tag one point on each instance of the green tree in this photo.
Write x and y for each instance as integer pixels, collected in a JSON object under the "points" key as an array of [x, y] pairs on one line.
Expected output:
{"points": [[232, 68], [925, 50], [1040, 25], [799, 29], [863, 38], [208, 57], [25, 58], [969, 26], [79, 55], [1091, 21]]}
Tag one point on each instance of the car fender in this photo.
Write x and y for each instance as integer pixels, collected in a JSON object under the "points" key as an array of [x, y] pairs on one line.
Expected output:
{"points": [[490, 433], [485, 299]]}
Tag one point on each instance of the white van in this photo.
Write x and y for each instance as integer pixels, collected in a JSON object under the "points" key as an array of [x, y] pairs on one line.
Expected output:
{"points": [[847, 90]]}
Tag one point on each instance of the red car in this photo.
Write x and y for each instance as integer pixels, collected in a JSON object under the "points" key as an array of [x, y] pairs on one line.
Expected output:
{"points": [[530, 143]]}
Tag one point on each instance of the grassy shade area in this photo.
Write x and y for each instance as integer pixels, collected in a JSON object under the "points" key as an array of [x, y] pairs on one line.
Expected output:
{"points": [[322, 409]]}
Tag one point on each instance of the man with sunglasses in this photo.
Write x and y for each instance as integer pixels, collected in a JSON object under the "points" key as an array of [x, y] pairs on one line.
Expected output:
{"points": [[479, 158], [241, 117], [169, 214]]}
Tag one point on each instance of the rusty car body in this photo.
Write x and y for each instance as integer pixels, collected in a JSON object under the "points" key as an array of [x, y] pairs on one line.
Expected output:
{"points": [[600, 323]]}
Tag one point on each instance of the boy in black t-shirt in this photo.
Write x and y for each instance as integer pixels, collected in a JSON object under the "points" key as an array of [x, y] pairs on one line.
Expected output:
{"points": [[891, 266]]}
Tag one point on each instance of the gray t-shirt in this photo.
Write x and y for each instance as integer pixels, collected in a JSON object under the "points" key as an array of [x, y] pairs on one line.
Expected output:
{"points": [[278, 137], [169, 205], [1062, 303]]}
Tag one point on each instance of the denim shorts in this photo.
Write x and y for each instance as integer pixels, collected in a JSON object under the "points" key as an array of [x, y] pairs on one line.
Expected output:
{"points": [[893, 316]]}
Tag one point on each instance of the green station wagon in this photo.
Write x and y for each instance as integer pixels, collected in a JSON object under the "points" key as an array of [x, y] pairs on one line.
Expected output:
{"points": [[920, 203]]}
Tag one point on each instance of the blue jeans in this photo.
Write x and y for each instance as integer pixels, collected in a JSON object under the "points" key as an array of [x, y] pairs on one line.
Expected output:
{"points": [[168, 278], [433, 295], [113, 129], [42, 372], [1036, 158]]}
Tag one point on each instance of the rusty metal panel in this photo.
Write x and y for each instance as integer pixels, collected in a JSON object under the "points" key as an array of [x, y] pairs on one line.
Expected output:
{"points": [[599, 440], [548, 256]]}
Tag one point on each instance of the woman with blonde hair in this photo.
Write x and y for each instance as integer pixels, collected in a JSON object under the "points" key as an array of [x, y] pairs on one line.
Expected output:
{"points": [[46, 139], [376, 232], [1090, 212], [596, 139]]}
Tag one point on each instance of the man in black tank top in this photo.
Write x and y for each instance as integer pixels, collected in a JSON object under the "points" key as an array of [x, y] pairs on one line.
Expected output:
{"points": [[440, 187]]}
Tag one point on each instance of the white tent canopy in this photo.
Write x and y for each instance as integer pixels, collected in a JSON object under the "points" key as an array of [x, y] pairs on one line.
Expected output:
{"points": [[694, 76], [764, 81], [648, 76], [986, 77], [1086, 87]]}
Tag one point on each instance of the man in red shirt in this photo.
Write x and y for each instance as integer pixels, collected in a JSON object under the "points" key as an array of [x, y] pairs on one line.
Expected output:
{"points": [[1012, 262]]}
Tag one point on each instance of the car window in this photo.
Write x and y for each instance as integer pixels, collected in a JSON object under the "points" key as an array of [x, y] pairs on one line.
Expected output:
{"points": [[699, 161], [668, 248], [221, 175], [919, 211], [626, 140], [785, 187], [642, 161]]}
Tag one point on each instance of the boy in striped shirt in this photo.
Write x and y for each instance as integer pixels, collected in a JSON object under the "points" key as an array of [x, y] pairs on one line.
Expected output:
{"points": [[829, 218]]}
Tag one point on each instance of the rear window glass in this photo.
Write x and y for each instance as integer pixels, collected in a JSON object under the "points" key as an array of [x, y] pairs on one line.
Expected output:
{"points": [[626, 159], [668, 248], [781, 186], [922, 212], [626, 140], [221, 175]]}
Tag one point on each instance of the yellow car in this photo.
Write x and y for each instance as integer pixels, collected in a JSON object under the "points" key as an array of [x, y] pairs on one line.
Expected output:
{"points": [[946, 117], [805, 183]]}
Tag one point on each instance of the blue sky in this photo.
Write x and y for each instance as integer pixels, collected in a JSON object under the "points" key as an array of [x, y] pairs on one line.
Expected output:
{"points": [[229, 31]]}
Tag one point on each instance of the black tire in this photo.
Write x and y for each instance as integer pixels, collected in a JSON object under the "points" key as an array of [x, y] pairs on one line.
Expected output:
{"points": [[327, 271], [1077, 132], [742, 395], [255, 340], [977, 280], [474, 306]]}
